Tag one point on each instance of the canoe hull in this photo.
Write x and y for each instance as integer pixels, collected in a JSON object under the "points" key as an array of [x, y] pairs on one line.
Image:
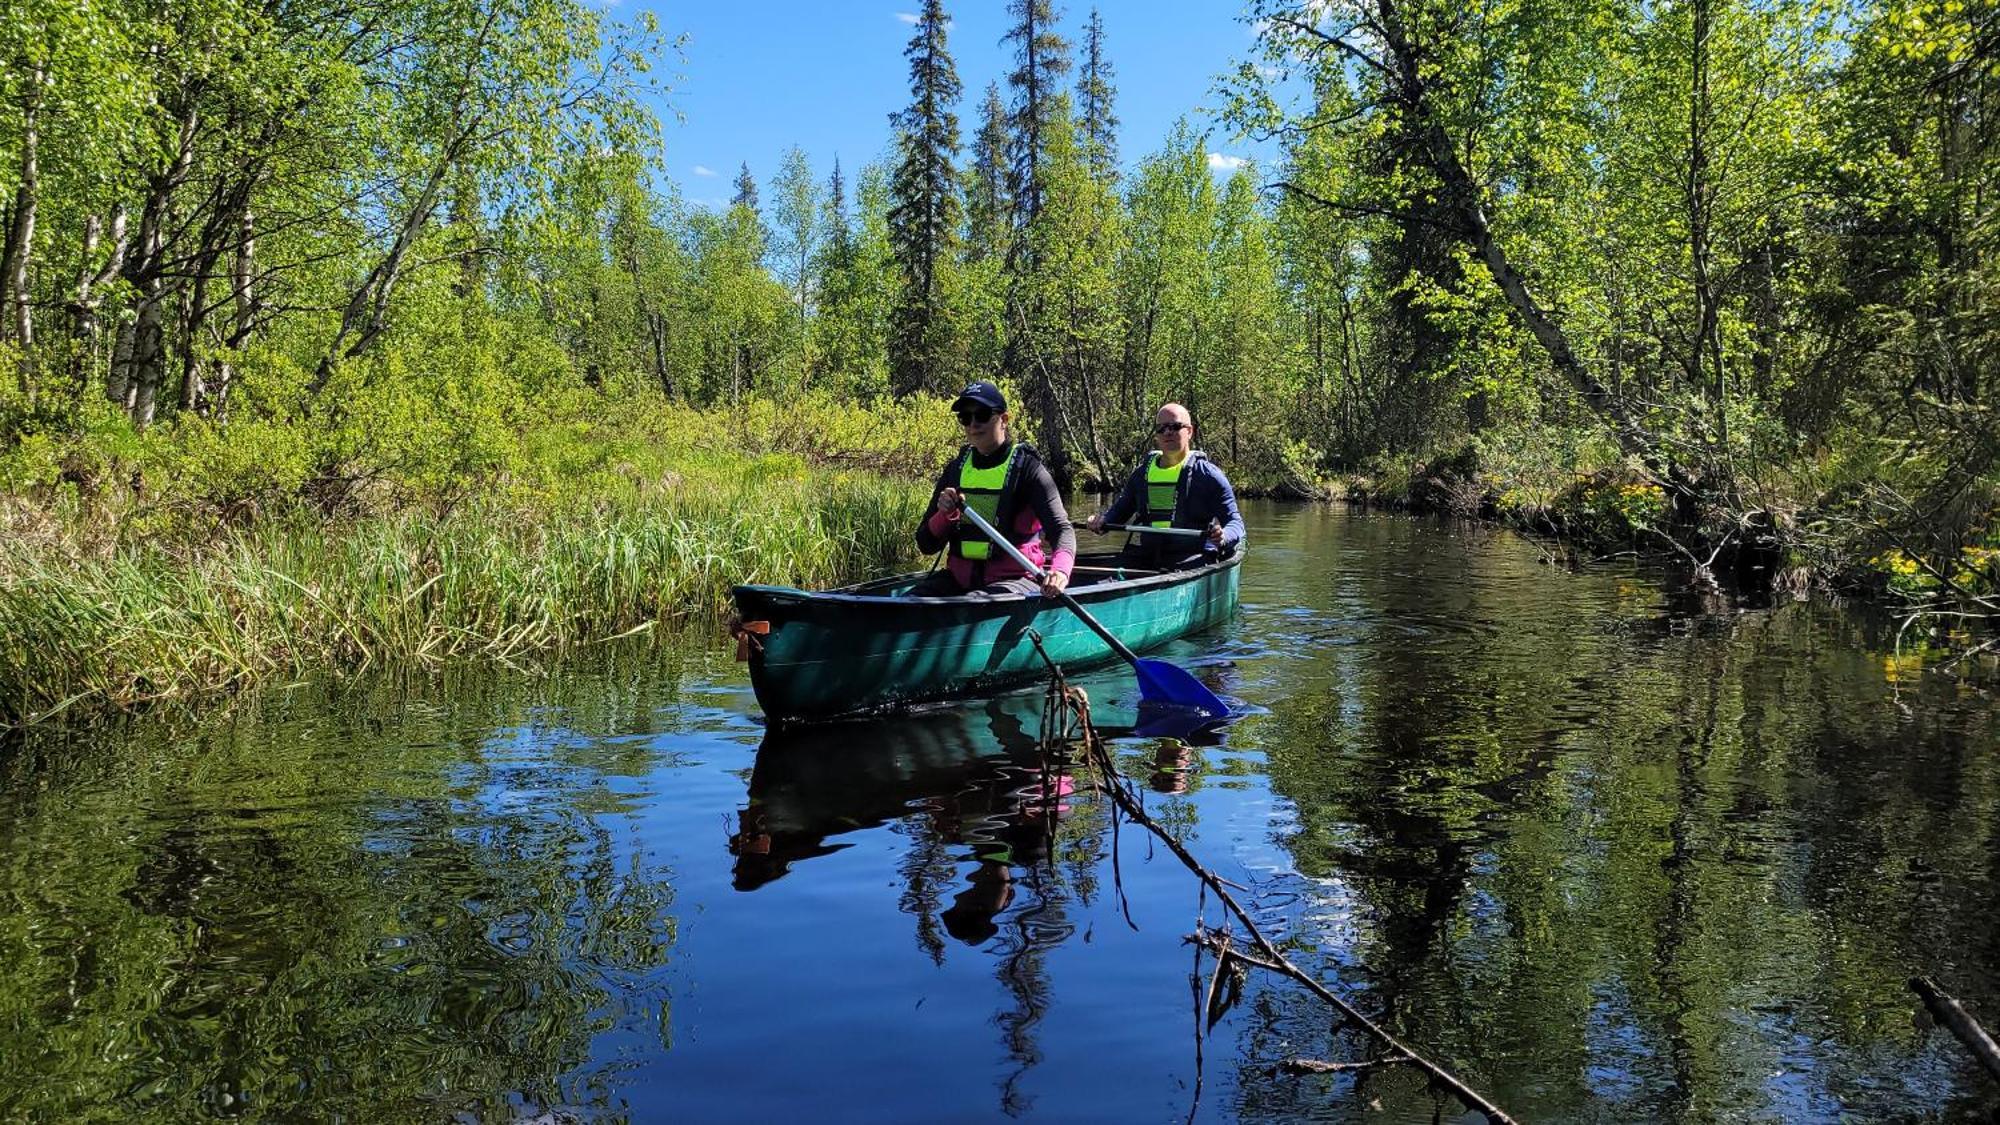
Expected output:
{"points": [[854, 652]]}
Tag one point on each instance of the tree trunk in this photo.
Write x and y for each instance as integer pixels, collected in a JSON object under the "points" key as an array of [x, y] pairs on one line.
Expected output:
{"points": [[366, 314], [139, 383], [1709, 374], [656, 328], [84, 326], [194, 391], [118, 380], [242, 282], [1463, 198], [20, 243], [148, 357], [137, 371]]}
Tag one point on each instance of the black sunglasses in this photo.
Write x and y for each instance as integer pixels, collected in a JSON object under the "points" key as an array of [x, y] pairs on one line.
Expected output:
{"points": [[977, 416], [1171, 427]]}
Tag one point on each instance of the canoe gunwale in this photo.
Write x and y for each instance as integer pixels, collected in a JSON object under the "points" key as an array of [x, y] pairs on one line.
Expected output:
{"points": [[1092, 593]]}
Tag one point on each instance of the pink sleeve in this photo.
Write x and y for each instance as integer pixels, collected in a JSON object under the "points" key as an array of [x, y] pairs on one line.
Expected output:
{"points": [[941, 524], [1063, 561]]}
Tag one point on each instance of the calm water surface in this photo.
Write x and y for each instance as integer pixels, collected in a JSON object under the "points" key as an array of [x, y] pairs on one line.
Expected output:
{"points": [[1612, 859]]}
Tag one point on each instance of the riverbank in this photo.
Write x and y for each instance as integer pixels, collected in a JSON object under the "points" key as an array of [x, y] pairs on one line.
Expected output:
{"points": [[1791, 541], [115, 600]]}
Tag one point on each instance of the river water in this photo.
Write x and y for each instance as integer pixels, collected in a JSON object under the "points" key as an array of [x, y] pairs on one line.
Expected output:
{"points": [[1609, 856]]}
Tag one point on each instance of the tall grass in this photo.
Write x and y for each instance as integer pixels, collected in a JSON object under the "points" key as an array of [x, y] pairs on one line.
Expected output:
{"points": [[86, 631]]}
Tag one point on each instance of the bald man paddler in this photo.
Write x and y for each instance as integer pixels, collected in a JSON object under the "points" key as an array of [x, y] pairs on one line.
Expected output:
{"points": [[1175, 486]]}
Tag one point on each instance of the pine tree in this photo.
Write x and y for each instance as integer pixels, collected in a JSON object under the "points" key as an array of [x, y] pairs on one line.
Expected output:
{"points": [[924, 207], [746, 189], [1097, 121]]}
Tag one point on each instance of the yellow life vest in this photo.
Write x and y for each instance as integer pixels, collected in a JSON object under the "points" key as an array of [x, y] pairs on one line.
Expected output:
{"points": [[982, 490], [1162, 490]]}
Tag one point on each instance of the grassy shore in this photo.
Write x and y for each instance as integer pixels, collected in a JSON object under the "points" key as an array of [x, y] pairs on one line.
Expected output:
{"points": [[286, 599], [101, 615]]}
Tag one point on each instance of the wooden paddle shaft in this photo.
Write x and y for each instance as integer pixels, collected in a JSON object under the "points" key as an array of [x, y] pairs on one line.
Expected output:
{"points": [[1013, 552]]}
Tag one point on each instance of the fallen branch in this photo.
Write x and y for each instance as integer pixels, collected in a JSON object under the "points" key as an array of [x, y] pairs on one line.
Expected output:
{"points": [[1068, 713], [1953, 1015], [1321, 1066]]}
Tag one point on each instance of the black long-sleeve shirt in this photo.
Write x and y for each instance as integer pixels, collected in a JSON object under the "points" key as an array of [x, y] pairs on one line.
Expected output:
{"points": [[1037, 507]]}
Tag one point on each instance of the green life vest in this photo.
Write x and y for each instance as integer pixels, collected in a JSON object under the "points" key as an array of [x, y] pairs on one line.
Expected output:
{"points": [[1162, 490], [983, 491]]}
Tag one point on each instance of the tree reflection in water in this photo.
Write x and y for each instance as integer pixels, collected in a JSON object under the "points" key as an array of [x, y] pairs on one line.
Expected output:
{"points": [[315, 919]]}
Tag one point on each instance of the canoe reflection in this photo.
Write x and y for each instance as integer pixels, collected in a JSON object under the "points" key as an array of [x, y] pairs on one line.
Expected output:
{"points": [[973, 773]]}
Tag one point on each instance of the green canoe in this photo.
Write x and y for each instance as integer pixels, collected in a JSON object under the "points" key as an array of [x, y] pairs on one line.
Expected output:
{"points": [[863, 649]]}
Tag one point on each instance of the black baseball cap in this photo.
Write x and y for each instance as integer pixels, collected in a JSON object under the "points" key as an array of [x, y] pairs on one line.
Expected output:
{"points": [[984, 394]]}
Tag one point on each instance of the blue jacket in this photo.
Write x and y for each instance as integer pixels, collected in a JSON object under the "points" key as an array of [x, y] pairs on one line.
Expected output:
{"points": [[1202, 495]]}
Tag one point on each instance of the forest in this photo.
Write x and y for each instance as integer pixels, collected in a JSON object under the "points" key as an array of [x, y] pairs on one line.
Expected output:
{"points": [[340, 331]]}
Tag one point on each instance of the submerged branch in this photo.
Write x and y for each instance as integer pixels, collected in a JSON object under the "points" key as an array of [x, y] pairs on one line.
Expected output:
{"points": [[1321, 1066], [1068, 715], [1953, 1016]]}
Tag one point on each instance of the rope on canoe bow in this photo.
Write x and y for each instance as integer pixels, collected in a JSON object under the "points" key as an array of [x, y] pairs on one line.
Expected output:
{"points": [[749, 635]]}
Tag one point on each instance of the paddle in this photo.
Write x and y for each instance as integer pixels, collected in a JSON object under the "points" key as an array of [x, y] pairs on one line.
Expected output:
{"points": [[1159, 681], [1183, 532]]}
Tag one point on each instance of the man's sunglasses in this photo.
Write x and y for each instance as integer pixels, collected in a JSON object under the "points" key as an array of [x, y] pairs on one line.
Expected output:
{"points": [[977, 416], [1171, 427]]}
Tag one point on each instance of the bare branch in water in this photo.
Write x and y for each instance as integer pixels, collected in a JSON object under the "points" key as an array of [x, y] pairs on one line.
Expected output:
{"points": [[1066, 715]]}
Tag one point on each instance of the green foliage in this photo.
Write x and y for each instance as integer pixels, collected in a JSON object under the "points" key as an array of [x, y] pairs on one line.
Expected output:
{"points": [[600, 532], [289, 262]]}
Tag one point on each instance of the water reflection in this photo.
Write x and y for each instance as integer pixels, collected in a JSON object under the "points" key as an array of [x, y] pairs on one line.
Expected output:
{"points": [[1000, 848], [815, 783], [1610, 858], [277, 918], [1622, 856]]}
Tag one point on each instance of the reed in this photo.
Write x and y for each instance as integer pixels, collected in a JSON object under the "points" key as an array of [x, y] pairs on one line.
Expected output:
{"points": [[86, 632]]}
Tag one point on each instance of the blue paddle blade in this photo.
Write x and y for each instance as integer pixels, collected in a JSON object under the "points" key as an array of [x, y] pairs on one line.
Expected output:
{"points": [[1163, 720], [1161, 682]]}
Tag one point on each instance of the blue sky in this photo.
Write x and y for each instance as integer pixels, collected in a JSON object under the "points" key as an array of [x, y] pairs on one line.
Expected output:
{"points": [[759, 78]]}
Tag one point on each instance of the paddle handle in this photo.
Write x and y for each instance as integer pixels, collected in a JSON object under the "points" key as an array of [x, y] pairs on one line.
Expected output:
{"points": [[1013, 552], [1182, 532]]}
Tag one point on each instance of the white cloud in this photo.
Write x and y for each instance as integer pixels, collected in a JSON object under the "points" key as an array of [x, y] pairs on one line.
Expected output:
{"points": [[1217, 162], [700, 170], [909, 17]]}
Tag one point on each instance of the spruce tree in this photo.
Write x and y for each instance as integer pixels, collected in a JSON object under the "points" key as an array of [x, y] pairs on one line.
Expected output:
{"points": [[1097, 121], [988, 204], [837, 328], [1041, 108], [746, 189], [838, 234], [924, 207], [1041, 58]]}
